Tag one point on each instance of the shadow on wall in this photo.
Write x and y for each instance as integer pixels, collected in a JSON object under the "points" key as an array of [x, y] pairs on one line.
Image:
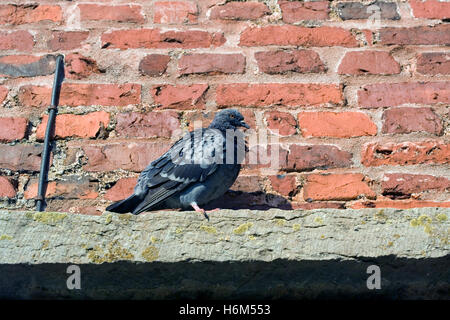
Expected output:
{"points": [[249, 200], [401, 278]]}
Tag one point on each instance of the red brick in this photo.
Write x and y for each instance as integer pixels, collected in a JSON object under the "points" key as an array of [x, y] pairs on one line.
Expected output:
{"points": [[337, 187], [336, 124], [175, 12], [368, 62], [212, 64], [296, 11], [72, 188], [154, 38], [297, 36], [239, 11], [430, 9], [310, 157], [302, 61], [127, 156], [400, 185], [79, 67], [395, 94], [423, 35], [404, 204], [12, 129], [67, 40], [22, 14], [406, 153], [433, 63], [121, 189], [146, 125], [383, 10], [285, 185], [3, 94], [123, 13], [283, 122], [7, 189], [266, 156], [154, 64], [287, 94], [20, 157], [71, 125], [76, 94], [180, 96], [16, 40], [407, 120]]}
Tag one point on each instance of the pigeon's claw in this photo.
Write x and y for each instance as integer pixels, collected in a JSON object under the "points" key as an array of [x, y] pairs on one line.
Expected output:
{"points": [[198, 209]]}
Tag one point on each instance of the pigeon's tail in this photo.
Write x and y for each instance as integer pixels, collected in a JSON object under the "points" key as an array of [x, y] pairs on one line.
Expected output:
{"points": [[124, 206]]}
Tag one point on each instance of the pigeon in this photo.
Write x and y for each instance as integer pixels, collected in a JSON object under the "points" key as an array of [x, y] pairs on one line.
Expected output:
{"points": [[198, 168]]}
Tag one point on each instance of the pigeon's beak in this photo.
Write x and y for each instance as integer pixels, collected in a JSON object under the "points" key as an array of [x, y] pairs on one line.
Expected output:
{"points": [[243, 124]]}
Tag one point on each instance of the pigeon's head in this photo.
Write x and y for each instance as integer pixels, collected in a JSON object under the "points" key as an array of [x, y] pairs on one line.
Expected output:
{"points": [[228, 119]]}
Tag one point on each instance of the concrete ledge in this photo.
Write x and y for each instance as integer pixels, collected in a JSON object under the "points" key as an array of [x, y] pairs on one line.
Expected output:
{"points": [[237, 254]]}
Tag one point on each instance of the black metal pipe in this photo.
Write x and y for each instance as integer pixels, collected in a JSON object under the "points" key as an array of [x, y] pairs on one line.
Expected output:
{"points": [[52, 110]]}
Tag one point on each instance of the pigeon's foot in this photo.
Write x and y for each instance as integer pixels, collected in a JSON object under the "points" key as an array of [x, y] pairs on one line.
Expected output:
{"points": [[212, 210], [198, 209]]}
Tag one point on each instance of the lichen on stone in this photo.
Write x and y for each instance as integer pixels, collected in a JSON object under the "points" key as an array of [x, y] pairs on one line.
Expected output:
{"points": [[50, 218], [150, 253], [5, 237], [296, 226], [208, 229], [243, 228], [114, 252]]}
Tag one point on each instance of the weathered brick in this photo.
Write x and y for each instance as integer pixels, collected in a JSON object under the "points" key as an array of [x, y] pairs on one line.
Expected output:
{"points": [[423, 35], [76, 94], [71, 125], [368, 62], [154, 38], [405, 153], [266, 156], [180, 96], [79, 67], [401, 185], [404, 204], [27, 66], [20, 157], [154, 64], [239, 11], [336, 124], [395, 94], [310, 157], [70, 188], [127, 156], [297, 36], [146, 125], [433, 63], [296, 11], [287, 94], [16, 40], [430, 9], [3, 94], [67, 40], [248, 184], [7, 188], [358, 10], [285, 185], [302, 61], [175, 12], [12, 129], [212, 64], [122, 189], [119, 13], [282, 122], [337, 187], [407, 120], [29, 13]]}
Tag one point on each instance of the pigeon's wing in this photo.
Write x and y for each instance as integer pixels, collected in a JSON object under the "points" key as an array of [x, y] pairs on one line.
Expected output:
{"points": [[191, 159]]}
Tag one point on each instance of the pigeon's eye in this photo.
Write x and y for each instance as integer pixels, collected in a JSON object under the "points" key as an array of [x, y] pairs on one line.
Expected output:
{"points": [[232, 116]]}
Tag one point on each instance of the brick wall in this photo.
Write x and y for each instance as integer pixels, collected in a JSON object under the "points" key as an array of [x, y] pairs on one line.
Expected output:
{"points": [[359, 93]]}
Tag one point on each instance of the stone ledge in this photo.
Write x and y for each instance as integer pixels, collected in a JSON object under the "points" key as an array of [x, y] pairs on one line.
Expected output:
{"points": [[320, 253]]}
